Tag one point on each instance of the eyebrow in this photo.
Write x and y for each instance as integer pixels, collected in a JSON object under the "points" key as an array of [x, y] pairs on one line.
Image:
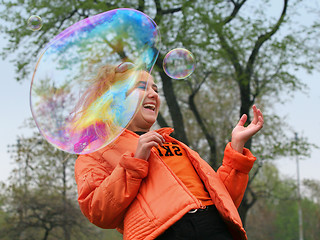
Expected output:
{"points": [[145, 82]]}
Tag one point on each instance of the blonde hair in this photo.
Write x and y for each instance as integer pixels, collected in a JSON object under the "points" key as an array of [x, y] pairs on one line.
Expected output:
{"points": [[106, 77], [98, 85], [90, 111]]}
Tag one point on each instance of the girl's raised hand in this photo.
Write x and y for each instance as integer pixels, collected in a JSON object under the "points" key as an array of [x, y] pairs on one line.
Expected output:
{"points": [[241, 134]]}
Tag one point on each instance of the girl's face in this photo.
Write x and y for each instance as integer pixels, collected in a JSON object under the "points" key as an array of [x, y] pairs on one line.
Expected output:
{"points": [[148, 112]]}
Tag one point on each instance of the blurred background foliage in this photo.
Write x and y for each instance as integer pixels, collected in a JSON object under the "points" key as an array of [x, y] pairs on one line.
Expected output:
{"points": [[247, 52]]}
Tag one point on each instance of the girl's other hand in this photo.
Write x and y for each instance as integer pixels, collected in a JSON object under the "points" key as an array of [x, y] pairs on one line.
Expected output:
{"points": [[146, 142]]}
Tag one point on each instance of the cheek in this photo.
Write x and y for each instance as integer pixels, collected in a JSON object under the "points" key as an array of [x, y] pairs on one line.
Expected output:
{"points": [[159, 103], [141, 96]]}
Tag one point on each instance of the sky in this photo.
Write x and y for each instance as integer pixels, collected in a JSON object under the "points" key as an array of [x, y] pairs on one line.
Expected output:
{"points": [[302, 113]]}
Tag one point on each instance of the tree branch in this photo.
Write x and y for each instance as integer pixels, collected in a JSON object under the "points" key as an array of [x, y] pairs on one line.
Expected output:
{"points": [[231, 53], [255, 173], [68, 17], [161, 12], [263, 38], [254, 197], [235, 11], [195, 91], [172, 103], [172, 10], [210, 138], [141, 5], [161, 121]]}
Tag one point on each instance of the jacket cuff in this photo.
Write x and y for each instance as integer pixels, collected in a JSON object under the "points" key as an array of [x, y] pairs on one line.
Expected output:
{"points": [[241, 162], [138, 168]]}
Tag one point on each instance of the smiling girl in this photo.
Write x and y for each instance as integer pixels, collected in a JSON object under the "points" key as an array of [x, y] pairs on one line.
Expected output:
{"points": [[148, 185]]}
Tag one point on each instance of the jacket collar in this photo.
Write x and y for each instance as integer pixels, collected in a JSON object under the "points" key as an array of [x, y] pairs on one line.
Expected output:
{"points": [[166, 130], [162, 131], [127, 133]]}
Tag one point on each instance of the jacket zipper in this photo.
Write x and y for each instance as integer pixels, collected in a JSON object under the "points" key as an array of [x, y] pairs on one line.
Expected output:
{"points": [[198, 169], [197, 201]]}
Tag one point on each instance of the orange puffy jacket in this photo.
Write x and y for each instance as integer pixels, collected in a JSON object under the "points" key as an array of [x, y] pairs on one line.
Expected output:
{"points": [[143, 198]]}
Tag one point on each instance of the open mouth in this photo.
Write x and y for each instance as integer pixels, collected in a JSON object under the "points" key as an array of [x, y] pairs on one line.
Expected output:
{"points": [[149, 106]]}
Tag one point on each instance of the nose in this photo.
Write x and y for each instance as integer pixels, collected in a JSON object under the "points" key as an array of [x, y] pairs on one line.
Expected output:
{"points": [[151, 93]]}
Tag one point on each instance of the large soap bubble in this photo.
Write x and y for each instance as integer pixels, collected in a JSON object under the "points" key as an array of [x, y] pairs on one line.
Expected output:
{"points": [[76, 114]]}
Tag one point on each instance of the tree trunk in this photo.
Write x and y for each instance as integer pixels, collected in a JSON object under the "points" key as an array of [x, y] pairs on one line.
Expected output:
{"points": [[66, 226]]}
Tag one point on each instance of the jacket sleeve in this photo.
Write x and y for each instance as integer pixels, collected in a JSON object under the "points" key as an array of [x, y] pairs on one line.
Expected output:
{"points": [[234, 172], [104, 195]]}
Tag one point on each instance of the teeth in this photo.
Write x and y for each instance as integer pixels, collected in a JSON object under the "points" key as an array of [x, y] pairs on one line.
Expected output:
{"points": [[150, 106]]}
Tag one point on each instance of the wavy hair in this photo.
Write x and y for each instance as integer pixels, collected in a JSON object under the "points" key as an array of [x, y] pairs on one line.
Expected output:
{"points": [[89, 116]]}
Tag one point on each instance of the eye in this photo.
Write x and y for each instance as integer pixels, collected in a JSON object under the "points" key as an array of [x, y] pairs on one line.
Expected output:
{"points": [[141, 85]]}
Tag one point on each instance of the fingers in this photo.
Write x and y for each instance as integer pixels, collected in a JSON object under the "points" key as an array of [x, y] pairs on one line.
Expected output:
{"points": [[146, 142], [260, 121], [257, 116], [241, 134], [242, 120], [152, 137]]}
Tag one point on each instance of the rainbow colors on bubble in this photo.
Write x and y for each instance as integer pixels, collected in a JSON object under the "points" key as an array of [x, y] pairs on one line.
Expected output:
{"points": [[34, 23], [66, 112], [179, 63]]}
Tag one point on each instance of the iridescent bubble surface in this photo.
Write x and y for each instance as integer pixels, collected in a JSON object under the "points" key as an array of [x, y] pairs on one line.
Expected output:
{"points": [[34, 23], [78, 101], [179, 63]]}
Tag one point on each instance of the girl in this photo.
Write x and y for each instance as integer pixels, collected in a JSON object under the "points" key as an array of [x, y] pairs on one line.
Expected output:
{"points": [[149, 185]]}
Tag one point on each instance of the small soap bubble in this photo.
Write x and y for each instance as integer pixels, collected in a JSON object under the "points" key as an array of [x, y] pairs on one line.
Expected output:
{"points": [[179, 63], [35, 23]]}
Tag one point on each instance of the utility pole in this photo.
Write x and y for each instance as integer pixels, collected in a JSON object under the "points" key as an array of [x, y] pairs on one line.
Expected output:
{"points": [[299, 194]]}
